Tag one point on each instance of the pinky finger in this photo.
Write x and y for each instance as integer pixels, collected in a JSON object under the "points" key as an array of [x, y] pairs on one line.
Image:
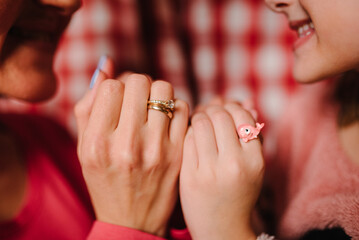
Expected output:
{"points": [[190, 156], [179, 122]]}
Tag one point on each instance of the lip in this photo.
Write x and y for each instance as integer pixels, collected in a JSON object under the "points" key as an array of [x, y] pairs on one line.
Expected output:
{"points": [[295, 25]]}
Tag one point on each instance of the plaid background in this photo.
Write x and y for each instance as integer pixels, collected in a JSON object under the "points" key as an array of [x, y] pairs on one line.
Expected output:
{"points": [[234, 48]]}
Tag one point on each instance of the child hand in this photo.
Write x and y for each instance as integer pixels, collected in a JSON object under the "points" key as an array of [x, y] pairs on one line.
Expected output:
{"points": [[131, 156], [221, 176]]}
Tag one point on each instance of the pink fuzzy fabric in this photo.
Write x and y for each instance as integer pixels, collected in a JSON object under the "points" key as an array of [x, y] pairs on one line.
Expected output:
{"points": [[316, 186]]}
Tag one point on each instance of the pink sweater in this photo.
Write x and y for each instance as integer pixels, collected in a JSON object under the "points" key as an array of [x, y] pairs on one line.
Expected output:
{"points": [[57, 205], [316, 186]]}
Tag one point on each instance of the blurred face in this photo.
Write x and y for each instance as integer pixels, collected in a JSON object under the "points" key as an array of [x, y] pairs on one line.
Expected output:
{"points": [[29, 33], [328, 36]]}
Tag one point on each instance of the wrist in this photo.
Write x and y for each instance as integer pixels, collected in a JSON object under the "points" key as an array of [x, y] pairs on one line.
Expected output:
{"points": [[235, 233]]}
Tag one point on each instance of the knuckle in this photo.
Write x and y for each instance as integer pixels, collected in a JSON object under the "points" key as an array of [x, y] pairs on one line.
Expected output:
{"points": [[162, 86], [241, 113], [111, 86], [94, 152], [80, 109], [253, 169], [128, 156], [138, 80], [124, 74], [200, 121], [125, 161], [153, 157], [235, 169], [218, 114]]}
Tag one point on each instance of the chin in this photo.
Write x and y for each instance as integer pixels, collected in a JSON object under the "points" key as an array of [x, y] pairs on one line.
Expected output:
{"points": [[28, 74], [38, 88], [41, 92], [306, 77], [307, 73]]}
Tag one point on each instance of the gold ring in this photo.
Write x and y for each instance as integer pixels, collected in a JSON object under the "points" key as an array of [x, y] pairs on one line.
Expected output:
{"points": [[160, 108], [170, 104], [167, 107]]}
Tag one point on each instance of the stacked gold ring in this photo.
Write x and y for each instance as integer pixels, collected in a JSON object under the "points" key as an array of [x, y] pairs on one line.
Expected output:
{"points": [[167, 107]]}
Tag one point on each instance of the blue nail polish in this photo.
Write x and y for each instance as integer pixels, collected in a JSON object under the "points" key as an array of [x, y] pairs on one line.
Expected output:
{"points": [[99, 67], [94, 78], [101, 62]]}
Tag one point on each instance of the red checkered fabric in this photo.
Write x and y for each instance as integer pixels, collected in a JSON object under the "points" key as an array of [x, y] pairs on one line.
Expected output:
{"points": [[234, 48]]}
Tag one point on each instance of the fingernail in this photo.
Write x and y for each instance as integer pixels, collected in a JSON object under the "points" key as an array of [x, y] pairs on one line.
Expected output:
{"points": [[99, 67], [94, 77], [101, 62]]}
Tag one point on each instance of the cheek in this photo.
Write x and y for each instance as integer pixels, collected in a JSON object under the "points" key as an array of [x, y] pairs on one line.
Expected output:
{"points": [[9, 11], [339, 49], [333, 51], [348, 46], [339, 35]]}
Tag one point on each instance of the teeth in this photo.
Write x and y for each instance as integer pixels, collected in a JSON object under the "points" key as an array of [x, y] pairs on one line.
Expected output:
{"points": [[304, 30], [300, 30]]}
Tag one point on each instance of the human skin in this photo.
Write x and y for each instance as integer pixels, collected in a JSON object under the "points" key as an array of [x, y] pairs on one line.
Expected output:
{"points": [[221, 175], [330, 49], [29, 33], [332, 45], [133, 179], [131, 156], [212, 194]]}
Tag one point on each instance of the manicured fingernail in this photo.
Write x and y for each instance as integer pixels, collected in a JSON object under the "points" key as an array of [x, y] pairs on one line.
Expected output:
{"points": [[94, 78], [99, 67], [101, 62]]}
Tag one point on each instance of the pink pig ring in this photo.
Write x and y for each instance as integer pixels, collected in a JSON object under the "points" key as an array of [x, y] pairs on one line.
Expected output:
{"points": [[247, 132]]}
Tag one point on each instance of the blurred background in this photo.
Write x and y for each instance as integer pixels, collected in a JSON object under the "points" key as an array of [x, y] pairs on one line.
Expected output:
{"points": [[234, 48]]}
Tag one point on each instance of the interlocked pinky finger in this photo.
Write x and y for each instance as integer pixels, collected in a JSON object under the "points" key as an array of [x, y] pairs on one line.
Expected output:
{"points": [[190, 156], [179, 123]]}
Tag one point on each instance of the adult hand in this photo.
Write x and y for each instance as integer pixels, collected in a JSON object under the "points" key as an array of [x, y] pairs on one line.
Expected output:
{"points": [[221, 176], [131, 156]]}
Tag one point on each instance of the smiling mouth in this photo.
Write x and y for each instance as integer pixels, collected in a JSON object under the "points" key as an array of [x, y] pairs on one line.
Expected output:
{"points": [[302, 27]]}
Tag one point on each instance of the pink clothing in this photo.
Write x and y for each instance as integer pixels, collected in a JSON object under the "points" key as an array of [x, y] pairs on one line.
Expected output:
{"points": [[316, 185], [57, 205], [105, 231]]}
